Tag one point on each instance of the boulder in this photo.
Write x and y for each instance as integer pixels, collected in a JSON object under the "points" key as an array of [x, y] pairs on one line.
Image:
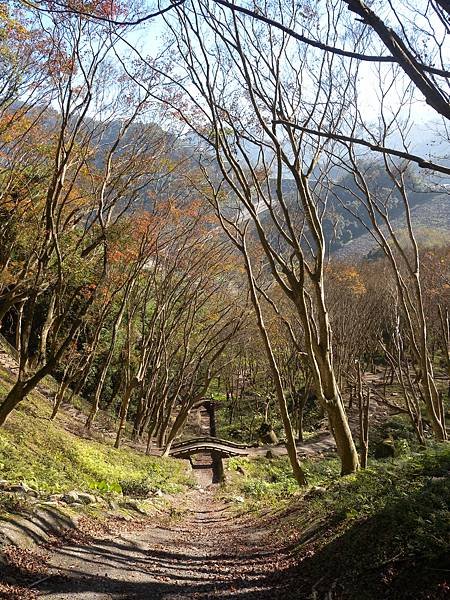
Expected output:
{"points": [[56, 497], [32, 493], [100, 500], [267, 434], [17, 488], [85, 498], [134, 505], [317, 490], [71, 498]]}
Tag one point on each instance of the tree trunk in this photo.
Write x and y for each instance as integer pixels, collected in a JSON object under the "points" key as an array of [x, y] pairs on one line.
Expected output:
{"points": [[343, 436], [332, 402], [176, 427], [363, 409], [15, 395], [123, 414], [101, 382], [60, 397], [290, 440], [46, 329]]}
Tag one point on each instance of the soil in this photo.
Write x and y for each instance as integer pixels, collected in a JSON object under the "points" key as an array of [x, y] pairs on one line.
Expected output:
{"points": [[208, 551]]}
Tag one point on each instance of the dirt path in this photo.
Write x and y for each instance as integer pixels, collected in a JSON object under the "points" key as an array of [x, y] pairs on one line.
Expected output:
{"points": [[207, 553]]}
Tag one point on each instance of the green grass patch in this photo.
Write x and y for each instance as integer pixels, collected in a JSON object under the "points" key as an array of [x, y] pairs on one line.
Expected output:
{"points": [[45, 456], [268, 482], [384, 530]]}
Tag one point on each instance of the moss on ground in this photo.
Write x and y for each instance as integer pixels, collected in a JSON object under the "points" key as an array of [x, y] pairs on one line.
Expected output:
{"points": [[382, 533], [269, 482], [47, 457]]}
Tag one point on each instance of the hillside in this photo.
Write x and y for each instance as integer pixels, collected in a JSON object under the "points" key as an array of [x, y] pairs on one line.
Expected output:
{"points": [[50, 458], [431, 220], [384, 530], [346, 221]]}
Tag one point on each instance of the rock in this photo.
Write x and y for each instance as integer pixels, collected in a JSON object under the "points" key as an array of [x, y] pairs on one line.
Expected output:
{"points": [[100, 500], [317, 490], [438, 479], [239, 499], [270, 454], [385, 449], [56, 497], [85, 498], [122, 517], [267, 434], [71, 498], [134, 505], [113, 505], [27, 531], [17, 488], [158, 493]]}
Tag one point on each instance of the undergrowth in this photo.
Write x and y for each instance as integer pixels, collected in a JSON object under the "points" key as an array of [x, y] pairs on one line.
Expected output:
{"points": [[45, 456], [381, 533]]}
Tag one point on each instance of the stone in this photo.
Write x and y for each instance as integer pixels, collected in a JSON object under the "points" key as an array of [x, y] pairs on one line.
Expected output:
{"points": [[86, 498], [134, 505], [71, 498], [17, 488], [438, 479], [100, 500], [239, 499], [267, 434], [56, 497]]}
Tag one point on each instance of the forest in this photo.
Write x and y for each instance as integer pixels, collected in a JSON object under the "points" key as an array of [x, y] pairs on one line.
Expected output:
{"points": [[224, 299]]}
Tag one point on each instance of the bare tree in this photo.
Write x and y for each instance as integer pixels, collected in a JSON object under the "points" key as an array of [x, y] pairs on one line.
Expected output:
{"points": [[80, 202], [220, 58]]}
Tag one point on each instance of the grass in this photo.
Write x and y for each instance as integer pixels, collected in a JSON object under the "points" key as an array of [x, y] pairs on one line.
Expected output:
{"points": [[269, 482], [387, 528], [47, 457], [381, 533]]}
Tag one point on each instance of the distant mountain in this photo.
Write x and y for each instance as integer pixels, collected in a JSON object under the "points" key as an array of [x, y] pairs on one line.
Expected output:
{"points": [[431, 221], [346, 235], [430, 212], [345, 220]]}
